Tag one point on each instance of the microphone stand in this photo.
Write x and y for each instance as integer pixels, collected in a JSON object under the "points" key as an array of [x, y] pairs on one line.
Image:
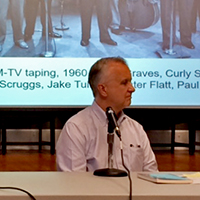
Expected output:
{"points": [[46, 53], [170, 53], [110, 171], [63, 27]]}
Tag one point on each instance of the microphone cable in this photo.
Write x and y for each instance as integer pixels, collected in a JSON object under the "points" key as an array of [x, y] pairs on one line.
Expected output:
{"points": [[128, 171], [112, 118], [22, 190]]}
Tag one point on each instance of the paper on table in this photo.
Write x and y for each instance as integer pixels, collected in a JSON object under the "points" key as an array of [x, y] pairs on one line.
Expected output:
{"points": [[164, 178], [194, 176], [167, 176]]}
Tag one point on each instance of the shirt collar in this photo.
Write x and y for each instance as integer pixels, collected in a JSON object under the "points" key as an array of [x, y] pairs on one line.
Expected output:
{"points": [[101, 115], [99, 112]]}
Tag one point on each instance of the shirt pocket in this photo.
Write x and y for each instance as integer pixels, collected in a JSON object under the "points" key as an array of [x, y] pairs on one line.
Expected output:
{"points": [[135, 157]]}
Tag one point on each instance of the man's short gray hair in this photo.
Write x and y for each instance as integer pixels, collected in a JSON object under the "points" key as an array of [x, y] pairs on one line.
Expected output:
{"points": [[96, 70]]}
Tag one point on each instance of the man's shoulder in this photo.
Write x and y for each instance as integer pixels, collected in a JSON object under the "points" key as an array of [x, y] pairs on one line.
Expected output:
{"points": [[81, 116], [132, 121], [125, 116]]}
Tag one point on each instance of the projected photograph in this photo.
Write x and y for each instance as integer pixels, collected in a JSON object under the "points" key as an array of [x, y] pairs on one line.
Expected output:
{"points": [[47, 48], [87, 28]]}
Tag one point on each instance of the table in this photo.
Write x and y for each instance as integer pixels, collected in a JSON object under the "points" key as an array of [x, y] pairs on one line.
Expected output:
{"points": [[86, 186]]}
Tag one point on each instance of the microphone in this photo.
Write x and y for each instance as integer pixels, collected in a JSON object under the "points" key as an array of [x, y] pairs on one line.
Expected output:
{"points": [[112, 122], [112, 126]]}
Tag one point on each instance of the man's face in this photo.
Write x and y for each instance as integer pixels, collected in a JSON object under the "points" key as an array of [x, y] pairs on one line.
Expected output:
{"points": [[118, 86]]}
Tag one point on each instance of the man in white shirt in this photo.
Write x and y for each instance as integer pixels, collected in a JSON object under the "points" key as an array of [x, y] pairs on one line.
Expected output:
{"points": [[82, 145]]}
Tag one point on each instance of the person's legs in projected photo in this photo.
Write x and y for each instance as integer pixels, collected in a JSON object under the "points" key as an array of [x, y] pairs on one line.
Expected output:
{"points": [[182, 9], [16, 16], [31, 10], [86, 11], [121, 6], [195, 16], [114, 14], [128, 28], [185, 13]]}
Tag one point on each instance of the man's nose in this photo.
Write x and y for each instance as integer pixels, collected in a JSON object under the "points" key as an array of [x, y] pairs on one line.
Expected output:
{"points": [[132, 89]]}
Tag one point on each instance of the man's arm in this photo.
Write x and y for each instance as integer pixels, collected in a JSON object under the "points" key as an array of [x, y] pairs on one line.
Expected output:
{"points": [[70, 149], [150, 163]]}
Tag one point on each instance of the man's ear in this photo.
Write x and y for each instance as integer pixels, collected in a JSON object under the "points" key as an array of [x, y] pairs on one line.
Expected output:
{"points": [[102, 90]]}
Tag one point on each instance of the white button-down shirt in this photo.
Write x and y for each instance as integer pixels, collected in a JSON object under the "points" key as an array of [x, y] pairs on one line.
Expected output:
{"points": [[82, 145]]}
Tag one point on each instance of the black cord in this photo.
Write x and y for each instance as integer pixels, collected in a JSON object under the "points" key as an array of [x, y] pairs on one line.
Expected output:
{"points": [[15, 188], [129, 175]]}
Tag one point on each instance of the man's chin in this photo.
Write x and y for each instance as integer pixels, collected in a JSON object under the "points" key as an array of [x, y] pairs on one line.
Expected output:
{"points": [[128, 103]]}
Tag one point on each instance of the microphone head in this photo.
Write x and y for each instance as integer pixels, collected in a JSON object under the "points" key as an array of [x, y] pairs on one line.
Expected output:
{"points": [[110, 115], [112, 121], [109, 110]]}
